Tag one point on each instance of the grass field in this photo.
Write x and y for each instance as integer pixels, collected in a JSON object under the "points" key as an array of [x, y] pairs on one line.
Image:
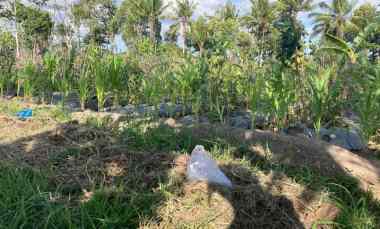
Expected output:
{"points": [[57, 172]]}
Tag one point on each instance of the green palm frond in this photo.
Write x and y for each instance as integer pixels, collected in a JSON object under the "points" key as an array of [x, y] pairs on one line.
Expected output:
{"points": [[339, 46]]}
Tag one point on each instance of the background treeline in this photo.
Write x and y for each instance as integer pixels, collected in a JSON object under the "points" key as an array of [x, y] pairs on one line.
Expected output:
{"points": [[263, 60]]}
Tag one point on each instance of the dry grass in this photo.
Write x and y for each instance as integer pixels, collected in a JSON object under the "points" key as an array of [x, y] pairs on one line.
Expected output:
{"points": [[141, 172]]}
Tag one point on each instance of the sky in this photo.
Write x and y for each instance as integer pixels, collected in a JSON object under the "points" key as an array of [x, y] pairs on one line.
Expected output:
{"points": [[208, 7]]}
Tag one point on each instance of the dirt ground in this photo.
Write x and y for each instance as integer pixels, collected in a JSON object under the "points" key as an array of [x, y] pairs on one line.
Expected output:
{"points": [[258, 199]]}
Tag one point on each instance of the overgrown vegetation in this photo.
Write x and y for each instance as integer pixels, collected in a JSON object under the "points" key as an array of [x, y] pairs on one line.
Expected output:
{"points": [[263, 61], [229, 61]]}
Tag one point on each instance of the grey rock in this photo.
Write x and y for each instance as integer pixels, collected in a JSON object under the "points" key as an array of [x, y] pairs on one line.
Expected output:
{"points": [[141, 109], [188, 120], [351, 120], [242, 122], [346, 138], [204, 120], [299, 129], [72, 102], [57, 98], [92, 104], [10, 93], [171, 110], [129, 109], [261, 121], [246, 114], [145, 110], [243, 119]]}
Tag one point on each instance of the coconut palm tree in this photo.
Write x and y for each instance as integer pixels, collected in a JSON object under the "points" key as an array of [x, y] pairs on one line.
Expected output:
{"points": [[152, 10], [369, 38], [292, 7], [183, 13], [261, 17], [260, 23], [333, 18], [199, 34], [228, 11]]}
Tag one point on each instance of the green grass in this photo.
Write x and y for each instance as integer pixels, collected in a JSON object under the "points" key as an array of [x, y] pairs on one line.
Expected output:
{"points": [[10, 107], [31, 199], [28, 200], [58, 114], [358, 208], [142, 135]]}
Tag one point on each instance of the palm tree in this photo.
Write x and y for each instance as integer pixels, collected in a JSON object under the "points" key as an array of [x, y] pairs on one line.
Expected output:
{"points": [[152, 10], [228, 11], [199, 34], [369, 38], [294, 6], [262, 15], [184, 11], [260, 23], [334, 18]]}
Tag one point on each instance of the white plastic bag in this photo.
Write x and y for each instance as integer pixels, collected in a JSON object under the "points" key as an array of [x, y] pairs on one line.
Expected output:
{"points": [[203, 168]]}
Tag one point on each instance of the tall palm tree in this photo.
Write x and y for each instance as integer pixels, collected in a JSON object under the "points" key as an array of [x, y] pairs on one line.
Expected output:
{"points": [[294, 6], [199, 34], [184, 11], [261, 17], [334, 18], [369, 38], [260, 23], [152, 10], [228, 11]]}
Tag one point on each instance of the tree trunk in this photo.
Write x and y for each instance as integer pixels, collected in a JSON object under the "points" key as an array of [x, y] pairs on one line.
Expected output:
{"points": [[16, 33], [201, 49], [152, 29], [184, 33]]}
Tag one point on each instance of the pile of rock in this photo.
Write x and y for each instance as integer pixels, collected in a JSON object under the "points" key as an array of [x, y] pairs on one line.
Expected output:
{"points": [[243, 120], [347, 138], [162, 110]]}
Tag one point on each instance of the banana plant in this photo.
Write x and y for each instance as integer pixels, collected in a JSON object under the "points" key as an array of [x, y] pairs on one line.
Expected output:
{"points": [[340, 46]]}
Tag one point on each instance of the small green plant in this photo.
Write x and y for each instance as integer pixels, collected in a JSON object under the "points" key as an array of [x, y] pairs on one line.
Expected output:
{"points": [[60, 114], [354, 211], [367, 105], [10, 107], [280, 90], [85, 75], [320, 93], [254, 93], [4, 81], [324, 93], [117, 75], [101, 85], [26, 79]]}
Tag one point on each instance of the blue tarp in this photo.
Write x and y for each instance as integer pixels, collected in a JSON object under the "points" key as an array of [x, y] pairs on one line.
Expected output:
{"points": [[25, 114]]}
